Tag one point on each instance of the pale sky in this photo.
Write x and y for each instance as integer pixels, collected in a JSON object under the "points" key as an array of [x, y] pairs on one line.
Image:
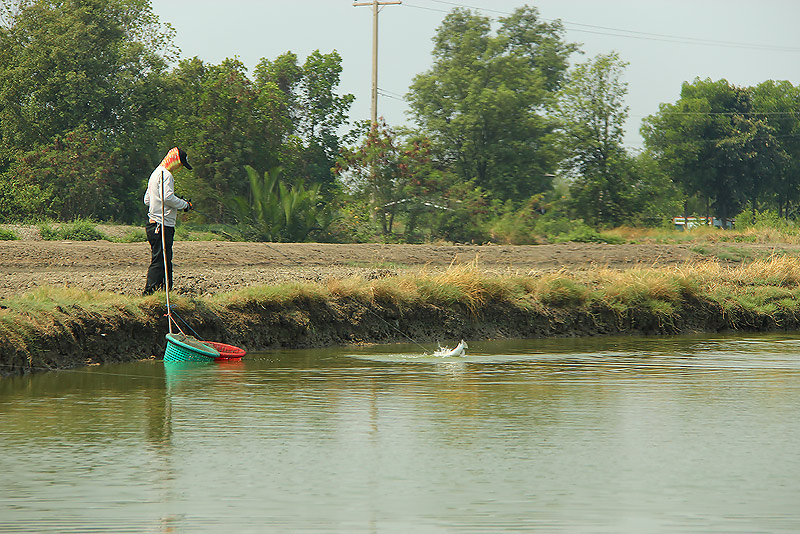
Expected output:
{"points": [[665, 42]]}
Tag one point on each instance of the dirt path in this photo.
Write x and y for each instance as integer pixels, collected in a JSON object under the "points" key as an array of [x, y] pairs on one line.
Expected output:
{"points": [[203, 267]]}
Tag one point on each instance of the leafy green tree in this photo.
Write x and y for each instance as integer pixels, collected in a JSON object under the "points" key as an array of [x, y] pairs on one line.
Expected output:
{"points": [[73, 63], [288, 116], [650, 197], [730, 145], [684, 138], [213, 114], [469, 218], [777, 105], [312, 112], [20, 200], [89, 68], [71, 189], [592, 112], [482, 101], [753, 155], [397, 177]]}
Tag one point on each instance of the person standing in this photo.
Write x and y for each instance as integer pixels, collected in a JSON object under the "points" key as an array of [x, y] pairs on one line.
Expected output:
{"points": [[162, 180]]}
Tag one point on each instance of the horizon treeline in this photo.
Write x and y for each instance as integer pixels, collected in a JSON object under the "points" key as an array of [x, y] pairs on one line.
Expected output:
{"points": [[509, 141]]}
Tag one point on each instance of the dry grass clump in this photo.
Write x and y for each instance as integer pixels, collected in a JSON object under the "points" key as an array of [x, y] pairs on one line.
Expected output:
{"points": [[769, 287], [353, 287], [666, 235], [400, 291], [707, 234], [659, 290], [559, 289], [779, 271], [763, 235], [277, 295], [460, 284], [48, 302], [783, 271], [26, 316]]}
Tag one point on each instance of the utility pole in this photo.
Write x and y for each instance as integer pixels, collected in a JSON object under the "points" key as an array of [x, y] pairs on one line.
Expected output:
{"points": [[375, 5]]}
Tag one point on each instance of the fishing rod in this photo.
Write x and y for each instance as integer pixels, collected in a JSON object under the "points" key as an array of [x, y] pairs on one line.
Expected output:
{"points": [[164, 255]]}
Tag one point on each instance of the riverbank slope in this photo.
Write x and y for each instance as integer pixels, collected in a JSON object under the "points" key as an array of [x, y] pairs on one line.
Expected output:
{"points": [[50, 328]]}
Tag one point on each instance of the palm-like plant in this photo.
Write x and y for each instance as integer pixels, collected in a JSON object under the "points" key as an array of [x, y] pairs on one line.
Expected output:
{"points": [[275, 211]]}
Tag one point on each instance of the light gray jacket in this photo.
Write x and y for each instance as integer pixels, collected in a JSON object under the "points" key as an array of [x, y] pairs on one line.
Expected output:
{"points": [[152, 197]]}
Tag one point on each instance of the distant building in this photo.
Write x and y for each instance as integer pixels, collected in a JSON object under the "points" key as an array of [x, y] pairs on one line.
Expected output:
{"points": [[687, 223]]}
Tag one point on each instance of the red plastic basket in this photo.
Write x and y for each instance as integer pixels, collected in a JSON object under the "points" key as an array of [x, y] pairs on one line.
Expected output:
{"points": [[226, 352]]}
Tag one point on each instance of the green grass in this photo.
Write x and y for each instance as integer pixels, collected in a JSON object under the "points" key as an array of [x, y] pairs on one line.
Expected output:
{"points": [[562, 292], [78, 230], [187, 232], [277, 295], [8, 235], [589, 235], [136, 235], [39, 312], [733, 254]]}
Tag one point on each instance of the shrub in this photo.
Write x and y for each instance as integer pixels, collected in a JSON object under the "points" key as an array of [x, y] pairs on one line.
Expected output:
{"points": [[765, 219], [134, 236], [78, 230], [584, 234], [8, 235]]}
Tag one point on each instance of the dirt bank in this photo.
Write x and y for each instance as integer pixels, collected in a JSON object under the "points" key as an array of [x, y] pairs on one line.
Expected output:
{"points": [[77, 336], [203, 267]]}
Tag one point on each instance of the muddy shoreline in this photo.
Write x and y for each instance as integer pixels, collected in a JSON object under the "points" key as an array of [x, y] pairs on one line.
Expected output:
{"points": [[80, 336]]}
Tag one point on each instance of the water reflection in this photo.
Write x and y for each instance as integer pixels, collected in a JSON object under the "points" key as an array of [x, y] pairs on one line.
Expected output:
{"points": [[618, 435]]}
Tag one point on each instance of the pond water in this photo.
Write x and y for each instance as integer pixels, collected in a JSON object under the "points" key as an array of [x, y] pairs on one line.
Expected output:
{"points": [[686, 434]]}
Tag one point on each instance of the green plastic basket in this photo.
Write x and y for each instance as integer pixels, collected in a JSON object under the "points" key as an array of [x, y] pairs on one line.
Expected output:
{"points": [[182, 348]]}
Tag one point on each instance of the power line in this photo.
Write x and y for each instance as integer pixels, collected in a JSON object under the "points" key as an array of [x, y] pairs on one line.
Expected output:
{"points": [[389, 94], [752, 140], [457, 4], [627, 34], [742, 113], [426, 8], [381, 93]]}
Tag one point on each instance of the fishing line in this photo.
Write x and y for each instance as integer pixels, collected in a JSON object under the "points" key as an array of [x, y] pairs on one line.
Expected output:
{"points": [[184, 322], [387, 323], [77, 371], [289, 258]]}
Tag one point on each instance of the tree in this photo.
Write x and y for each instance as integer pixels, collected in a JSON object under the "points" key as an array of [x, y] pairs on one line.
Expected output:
{"points": [[729, 145], [777, 105], [85, 68], [395, 176], [592, 113], [71, 190], [74, 63], [213, 115], [288, 116], [482, 102], [312, 113]]}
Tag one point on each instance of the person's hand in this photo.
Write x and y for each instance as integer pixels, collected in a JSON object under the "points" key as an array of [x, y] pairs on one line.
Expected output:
{"points": [[189, 206]]}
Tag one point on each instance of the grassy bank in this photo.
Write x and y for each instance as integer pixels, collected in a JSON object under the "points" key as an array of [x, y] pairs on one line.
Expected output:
{"points": [[58, 327]]}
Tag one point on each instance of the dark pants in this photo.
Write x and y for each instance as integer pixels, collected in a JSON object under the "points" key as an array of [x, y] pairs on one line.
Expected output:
{"points": [[155, 274]]}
